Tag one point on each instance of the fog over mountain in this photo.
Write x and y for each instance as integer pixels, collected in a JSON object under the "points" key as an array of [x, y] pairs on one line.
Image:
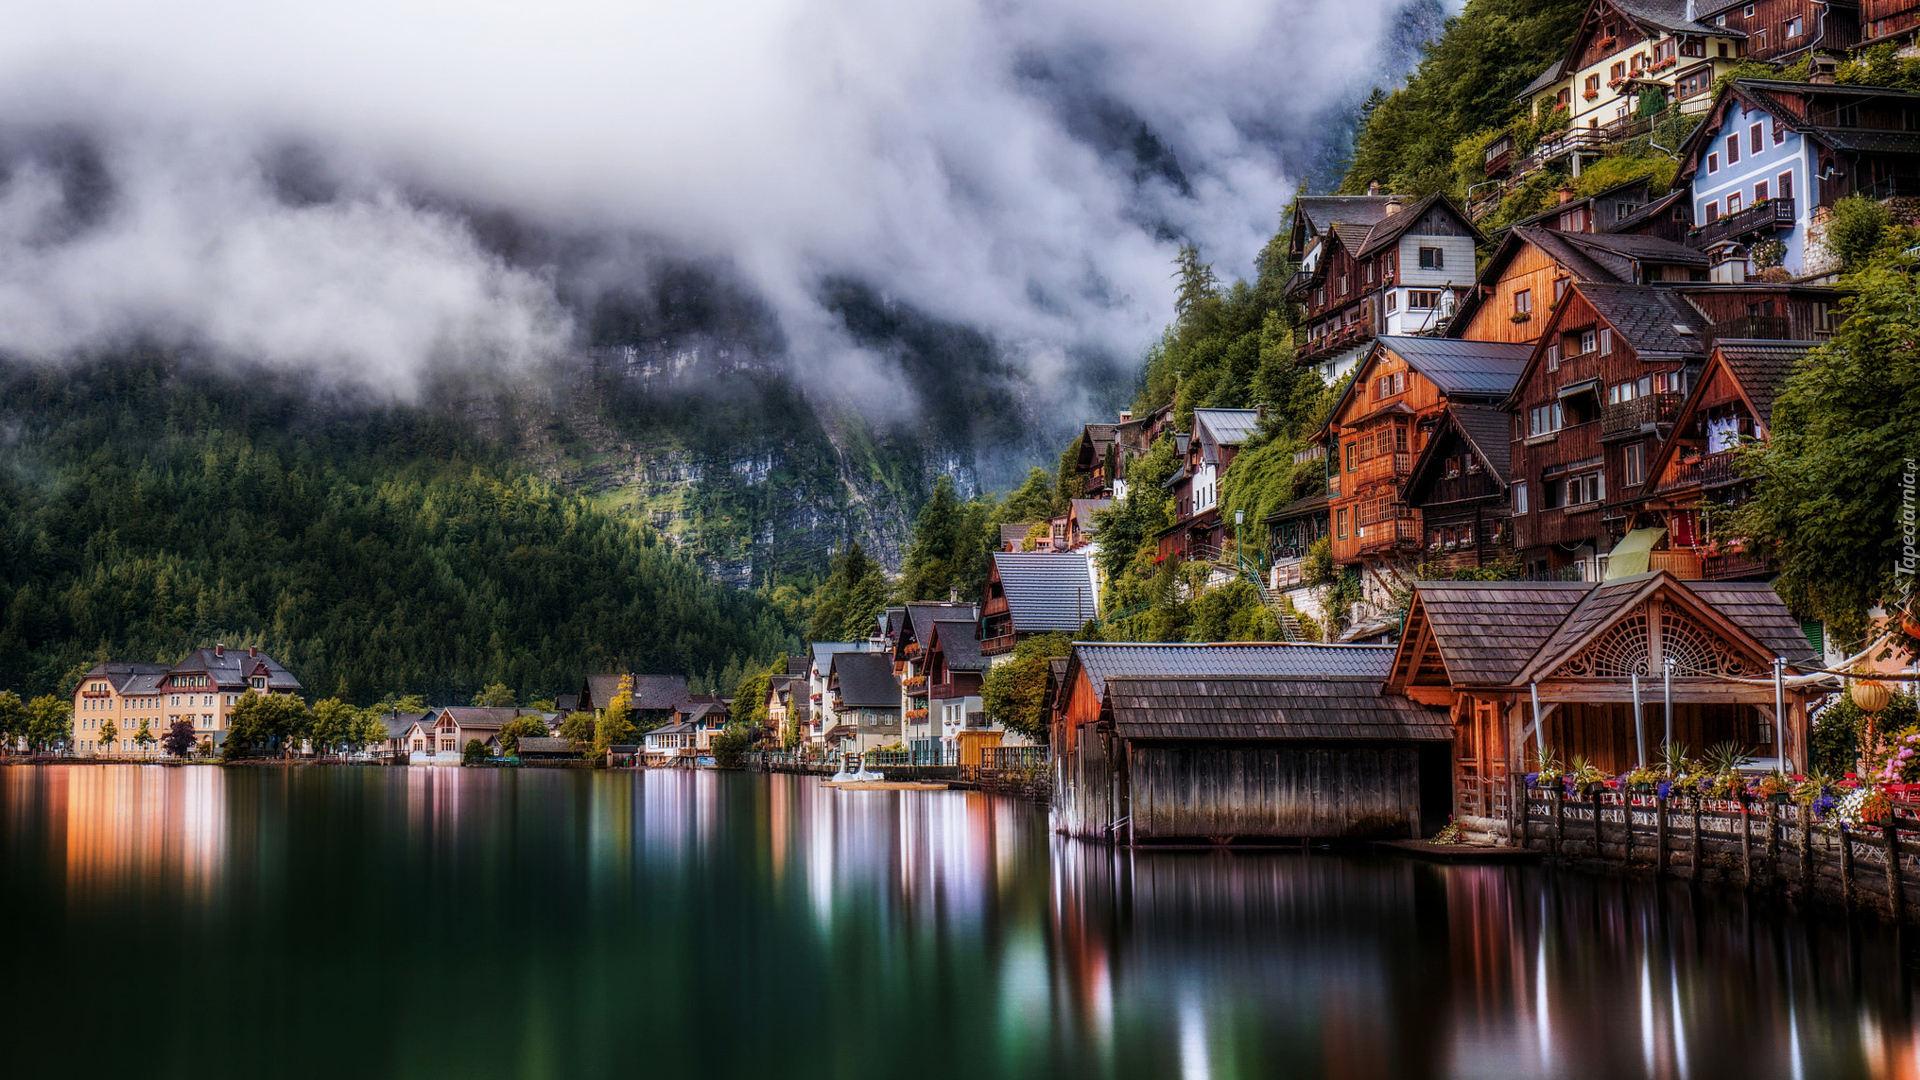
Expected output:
{"points": [[385, 192]]}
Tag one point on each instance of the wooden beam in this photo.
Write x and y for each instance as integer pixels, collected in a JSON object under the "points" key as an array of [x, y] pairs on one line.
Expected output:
{"points": [[1688, 693], [1432, 695]]}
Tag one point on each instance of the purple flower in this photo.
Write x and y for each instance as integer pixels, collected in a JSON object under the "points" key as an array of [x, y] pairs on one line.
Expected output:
{"points": [[1664, 788]]}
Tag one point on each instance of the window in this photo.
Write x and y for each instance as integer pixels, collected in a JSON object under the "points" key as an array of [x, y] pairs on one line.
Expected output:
{"points": [[1592, 88], [1779, 132], [1553, 357], [1760, 192], [1693, 46], [1559, 289], [1606, 342], [1342, 291], [1586, 488], [1733, 149], [1369, 274], [1786, 185], [1523, 302], [1544, 419], [1341, 517], [1588, 342], [1796, 26], [1393, 300], [1633, 464], [1713, 211], [1422, 299], [1713, 164], [1433, 259], [1733, 202], [1352, 459], [1619, 70], [1753, 138], [1747, 12], [1520, 497]]}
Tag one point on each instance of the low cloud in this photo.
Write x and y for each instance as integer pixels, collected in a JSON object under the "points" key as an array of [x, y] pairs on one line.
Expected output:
{"points": [[296, 183]]}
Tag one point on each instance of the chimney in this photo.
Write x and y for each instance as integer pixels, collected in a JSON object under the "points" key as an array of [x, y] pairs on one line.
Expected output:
{"points": [[1393, 204], [1373, 187], [253, 651], [1566, 195], [219, 648], [1126, 415], [1820, 70]]}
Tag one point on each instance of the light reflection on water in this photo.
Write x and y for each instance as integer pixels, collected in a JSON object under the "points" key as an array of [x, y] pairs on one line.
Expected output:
{"points": [[428, 922]]}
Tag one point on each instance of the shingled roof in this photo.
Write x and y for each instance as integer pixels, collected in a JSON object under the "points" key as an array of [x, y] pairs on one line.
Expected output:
{"points": [[1459, 368], [1047, 591], [960, 644], [1487, 432], [1488, 631], [1757, 609], [1659, 324], [1216, 428], [865, 681], [1318, 708], [1113, 660], [921, 617], [1762, 367], [651, 693], [231, 668]]}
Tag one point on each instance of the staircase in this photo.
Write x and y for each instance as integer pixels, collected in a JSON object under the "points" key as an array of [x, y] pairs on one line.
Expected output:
{"points": [[1236, 564]]}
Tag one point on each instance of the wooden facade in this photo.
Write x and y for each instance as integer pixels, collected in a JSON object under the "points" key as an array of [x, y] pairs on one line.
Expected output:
{"points": [[1488, 651], [1887, 20], [1459, 488], [1518, 266], [1528, 274], [1780, 30]]}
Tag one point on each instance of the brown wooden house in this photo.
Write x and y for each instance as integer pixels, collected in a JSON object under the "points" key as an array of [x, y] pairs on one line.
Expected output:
{"points": [[1530, 271], [1888, 20], [1030, 593], [1385, 419], [1485, 651], [1603, 384], [1696, 479], [1459, 489], [1371, 265], [1205, 456], [1781, 30]]}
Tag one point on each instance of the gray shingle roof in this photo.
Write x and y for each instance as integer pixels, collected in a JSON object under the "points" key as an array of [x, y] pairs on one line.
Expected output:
{"points": [[866, 680], [1047, 591], [825, 651], [1014, 534], [1757, 609], [1545, 79], [398, 724], [651, 693], [232, 668], [1671, 15], [960, 644], [1315, 503], [530, 744], [1226, 427], [921, 618], [1646, 249], [1487, 631], [1253, 707], [1321, 211], [1649, 319], [1103, 661], [1463, 368], [1762, 368], [127, 678], [1491, 433]]}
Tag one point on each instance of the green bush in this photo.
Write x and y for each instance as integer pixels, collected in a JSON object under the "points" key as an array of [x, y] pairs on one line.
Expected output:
{"points": [[730, 745], [474, 754], [1856, 229]]}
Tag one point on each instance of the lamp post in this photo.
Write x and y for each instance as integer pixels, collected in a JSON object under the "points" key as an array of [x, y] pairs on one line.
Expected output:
{"points": [[1239, 551]]}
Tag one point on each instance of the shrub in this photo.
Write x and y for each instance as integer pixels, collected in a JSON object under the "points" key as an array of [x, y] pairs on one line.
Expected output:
{"points": [[730, 745], [1856, 228], [474, 754]]}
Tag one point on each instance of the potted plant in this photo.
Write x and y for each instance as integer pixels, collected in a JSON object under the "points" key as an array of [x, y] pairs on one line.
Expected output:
{"points": [[1775, 788], [1642, 781]]}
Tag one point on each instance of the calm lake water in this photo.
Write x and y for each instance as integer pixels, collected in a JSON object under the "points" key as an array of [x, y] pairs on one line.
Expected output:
{"points": [[428, 922]]}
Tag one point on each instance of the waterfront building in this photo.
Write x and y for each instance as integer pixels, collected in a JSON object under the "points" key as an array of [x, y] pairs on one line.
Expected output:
{"points": [[202, 689], [1487, 651], [822, 717], [650, 701], [866, 701], [447, 730], [954, 671], [911, 668]]}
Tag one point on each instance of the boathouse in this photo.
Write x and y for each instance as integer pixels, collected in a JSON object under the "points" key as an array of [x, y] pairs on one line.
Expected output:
{"points": [[1588, 669], [1255, 741]]}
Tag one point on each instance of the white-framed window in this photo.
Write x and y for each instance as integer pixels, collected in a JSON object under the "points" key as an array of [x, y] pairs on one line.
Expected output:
{"points": [[1553, 357], [1633, 464], [1520, 497], [1433, 258], [1393, 300], [1422, 299], [1588, 342], [1545, 419], [1713, 163], [1606, 342], [1585, 488], [1733, 202]]}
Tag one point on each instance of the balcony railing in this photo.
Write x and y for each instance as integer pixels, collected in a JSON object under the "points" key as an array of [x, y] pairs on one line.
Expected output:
{"points": [[1641, 412], [1682, 563], [1707, 470], [942, 691], [1395, 466], [1760, 217], [1730, 565], [1390, 535], [1345, 337], [1771, 327]]}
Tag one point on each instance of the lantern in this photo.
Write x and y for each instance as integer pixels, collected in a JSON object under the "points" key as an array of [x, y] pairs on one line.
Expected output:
{"points": [[1871, 696]]}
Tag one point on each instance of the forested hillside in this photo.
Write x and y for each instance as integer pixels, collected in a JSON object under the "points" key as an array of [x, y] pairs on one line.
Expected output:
{"points": [[147, 508]]}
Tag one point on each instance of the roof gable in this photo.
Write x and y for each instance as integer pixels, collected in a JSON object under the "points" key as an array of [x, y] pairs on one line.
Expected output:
{"points": [[1614, 631], [1047, 591], [1102, 661], [1480, 430], [1266, 707], [1758, 369], [959, 644], [1488, 631], [865, 680]]}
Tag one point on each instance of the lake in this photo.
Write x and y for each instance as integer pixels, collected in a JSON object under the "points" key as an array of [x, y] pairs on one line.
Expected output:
{"points": [[428, 922]]}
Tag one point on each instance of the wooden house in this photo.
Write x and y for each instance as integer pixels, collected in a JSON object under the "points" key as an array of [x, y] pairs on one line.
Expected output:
{"points": [[1459, 489], [1621, 49], [650, 701], [1292, 531], [1530, 271], [1771, 157], [1888, 20], [1582, 669], [1036, 593], [1371, 265], [910, 665], [955, 669], [1595, 213], [866, 697], [1696, 480], [1780, 31], [1385, 419], [1599, 391], [1206, 455]]}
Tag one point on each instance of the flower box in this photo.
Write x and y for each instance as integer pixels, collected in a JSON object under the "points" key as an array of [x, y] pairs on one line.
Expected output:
{"points": [[1590, 94], [1520, 316]]}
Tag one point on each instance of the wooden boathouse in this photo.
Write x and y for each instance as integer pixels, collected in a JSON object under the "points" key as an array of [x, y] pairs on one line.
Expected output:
{"points": [[1242, 742], [1588, 669]]}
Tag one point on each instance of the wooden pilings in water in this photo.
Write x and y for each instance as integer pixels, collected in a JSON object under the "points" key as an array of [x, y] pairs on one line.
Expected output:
{"points": [[1717, 841]]}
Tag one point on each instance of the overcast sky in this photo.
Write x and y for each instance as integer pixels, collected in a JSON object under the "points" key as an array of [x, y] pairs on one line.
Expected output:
{"points": [[961, 156]]}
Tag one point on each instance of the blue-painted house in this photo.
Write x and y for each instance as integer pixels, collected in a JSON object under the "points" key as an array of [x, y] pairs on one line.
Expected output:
{"points": [[1771, 154]]}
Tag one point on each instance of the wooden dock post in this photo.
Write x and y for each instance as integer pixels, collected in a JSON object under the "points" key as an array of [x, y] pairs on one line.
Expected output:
{"points": [[1773, 841], [1626, 821], [1660, 834], [1805, 817], [1693, 874], [1559, 823], [1746, 845], [1896, 900], [1846, 867]]}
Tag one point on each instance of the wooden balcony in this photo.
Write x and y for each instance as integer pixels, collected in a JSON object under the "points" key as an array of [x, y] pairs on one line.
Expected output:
{"points": [[1683, 563], [1641, 413], [942, 691], [1347, 337], [1770, 327], [1731, 565], [1401, 533], [1393, 467], [1705, 471], [1761, 217]]}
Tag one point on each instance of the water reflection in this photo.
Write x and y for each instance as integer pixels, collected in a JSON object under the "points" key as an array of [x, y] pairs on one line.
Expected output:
{"points": [[426, 922]]}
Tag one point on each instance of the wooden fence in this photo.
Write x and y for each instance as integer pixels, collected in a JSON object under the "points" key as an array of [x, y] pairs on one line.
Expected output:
{"points": [[1764, 846]]}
